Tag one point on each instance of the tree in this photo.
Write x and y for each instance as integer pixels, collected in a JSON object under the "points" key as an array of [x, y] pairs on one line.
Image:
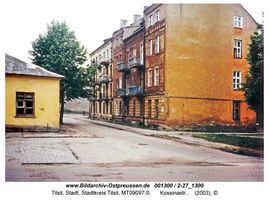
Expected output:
{"points": [[59, 51], [253, 87]]}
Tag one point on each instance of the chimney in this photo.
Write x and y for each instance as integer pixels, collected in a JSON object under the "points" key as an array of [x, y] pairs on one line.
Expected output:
{"points": [[137, 18], [123, 23]]}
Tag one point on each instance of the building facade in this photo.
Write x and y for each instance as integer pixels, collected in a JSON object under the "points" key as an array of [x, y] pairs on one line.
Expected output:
{"points": [[32, 96], [100, 105], [121, 71], [183, 65]]}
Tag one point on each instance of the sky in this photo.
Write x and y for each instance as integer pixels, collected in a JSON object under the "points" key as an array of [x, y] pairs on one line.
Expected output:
{"points": [[92, 21]]}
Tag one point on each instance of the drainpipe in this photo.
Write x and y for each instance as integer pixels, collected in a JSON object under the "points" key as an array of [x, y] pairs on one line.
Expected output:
{"points": [[144, 71]]}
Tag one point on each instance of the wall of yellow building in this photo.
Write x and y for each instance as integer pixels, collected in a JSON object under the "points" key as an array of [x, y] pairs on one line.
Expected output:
{"points": [[199, 61], [47, 104]]}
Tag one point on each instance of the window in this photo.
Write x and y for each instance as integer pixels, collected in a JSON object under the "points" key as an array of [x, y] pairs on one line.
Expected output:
{"points": [[149, 112], [156, 108], [117, 108], [150, 48], [117, 84], [157, 15], [134, 52], [237, 48], [236, 80], [236, 110], [134, 108], [156, 76], [141, 53], [150, 20], [25, 104], [104, 108], [157, 44], [120, 82], [133, 79], [120, 108], [149, 78], [238, 22]]}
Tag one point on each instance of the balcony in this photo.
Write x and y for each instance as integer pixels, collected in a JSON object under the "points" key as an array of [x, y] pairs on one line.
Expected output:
{"points": [[103, 61], [121, 92], [135, 90], [121, 67], [103, 79], [135, 63]]}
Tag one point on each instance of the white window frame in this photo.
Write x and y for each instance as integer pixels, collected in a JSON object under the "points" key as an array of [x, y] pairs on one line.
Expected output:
{"points": [[237, 48], [238, 22], [141, 54], [157, 15], [150, 47], [150, 78], [237, 75], [157, 44], [156, 76], [134, 52], [120, 83], [151, 20]]}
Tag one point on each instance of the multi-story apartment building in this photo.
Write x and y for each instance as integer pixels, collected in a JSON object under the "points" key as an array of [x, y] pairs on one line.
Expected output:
{"points": [[195, 64], [101, 103], [121, 97], [136, 75], [183, 65]]}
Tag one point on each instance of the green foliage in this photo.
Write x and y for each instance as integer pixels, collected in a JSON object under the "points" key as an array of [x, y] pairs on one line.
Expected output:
{"points": [[247, 142], [59, 51], [253, 87]]}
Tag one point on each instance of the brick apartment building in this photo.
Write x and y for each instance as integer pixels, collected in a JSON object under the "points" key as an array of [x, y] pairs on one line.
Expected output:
{"points": [[183, 65]]}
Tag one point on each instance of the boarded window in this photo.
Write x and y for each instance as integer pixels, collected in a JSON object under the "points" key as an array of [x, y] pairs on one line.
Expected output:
{"points": [[156, 108], [25, 104], [236, 110], [150, 108]]}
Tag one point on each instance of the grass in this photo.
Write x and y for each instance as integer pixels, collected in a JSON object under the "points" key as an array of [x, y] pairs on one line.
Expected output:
{"points": [[246, 142]]}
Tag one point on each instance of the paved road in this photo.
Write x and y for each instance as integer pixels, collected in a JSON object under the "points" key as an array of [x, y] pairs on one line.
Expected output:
{"points": [[88, 151]]}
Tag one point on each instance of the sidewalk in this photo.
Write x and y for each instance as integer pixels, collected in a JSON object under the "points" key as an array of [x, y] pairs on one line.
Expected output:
{"points": [[184, 137]]}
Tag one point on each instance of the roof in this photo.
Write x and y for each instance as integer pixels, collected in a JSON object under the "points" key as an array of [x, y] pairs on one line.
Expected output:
{"points": [[16, 66]]}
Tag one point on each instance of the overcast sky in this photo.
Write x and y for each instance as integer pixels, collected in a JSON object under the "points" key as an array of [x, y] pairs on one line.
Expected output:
{"points": [[92, 20]]}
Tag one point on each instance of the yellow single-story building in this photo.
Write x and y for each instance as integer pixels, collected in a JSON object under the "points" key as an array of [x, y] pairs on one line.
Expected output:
{"points": [[32, 96]]}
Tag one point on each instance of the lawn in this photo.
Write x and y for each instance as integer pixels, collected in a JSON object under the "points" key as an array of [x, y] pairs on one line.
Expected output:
{"points": [[246, 142]]}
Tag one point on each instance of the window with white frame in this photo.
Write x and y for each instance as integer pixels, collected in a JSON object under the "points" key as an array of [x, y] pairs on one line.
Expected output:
{"points": [[120, 82], [236, 80], [157, 15], [141, 53], [134, 52], [238, 22], [237, 48], [157, 44], [156, 76], [149, 78], [150, 20], [150, 48]]}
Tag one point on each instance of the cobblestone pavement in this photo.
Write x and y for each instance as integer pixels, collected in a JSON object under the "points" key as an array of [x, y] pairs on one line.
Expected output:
{"points": [[46, 151]]}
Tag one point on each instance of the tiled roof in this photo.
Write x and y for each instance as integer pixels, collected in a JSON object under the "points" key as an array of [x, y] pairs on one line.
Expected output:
{"points": [[16, 66]]}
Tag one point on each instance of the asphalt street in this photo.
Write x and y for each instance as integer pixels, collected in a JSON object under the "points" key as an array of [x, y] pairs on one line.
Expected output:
{"points": [[87, 151]]}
